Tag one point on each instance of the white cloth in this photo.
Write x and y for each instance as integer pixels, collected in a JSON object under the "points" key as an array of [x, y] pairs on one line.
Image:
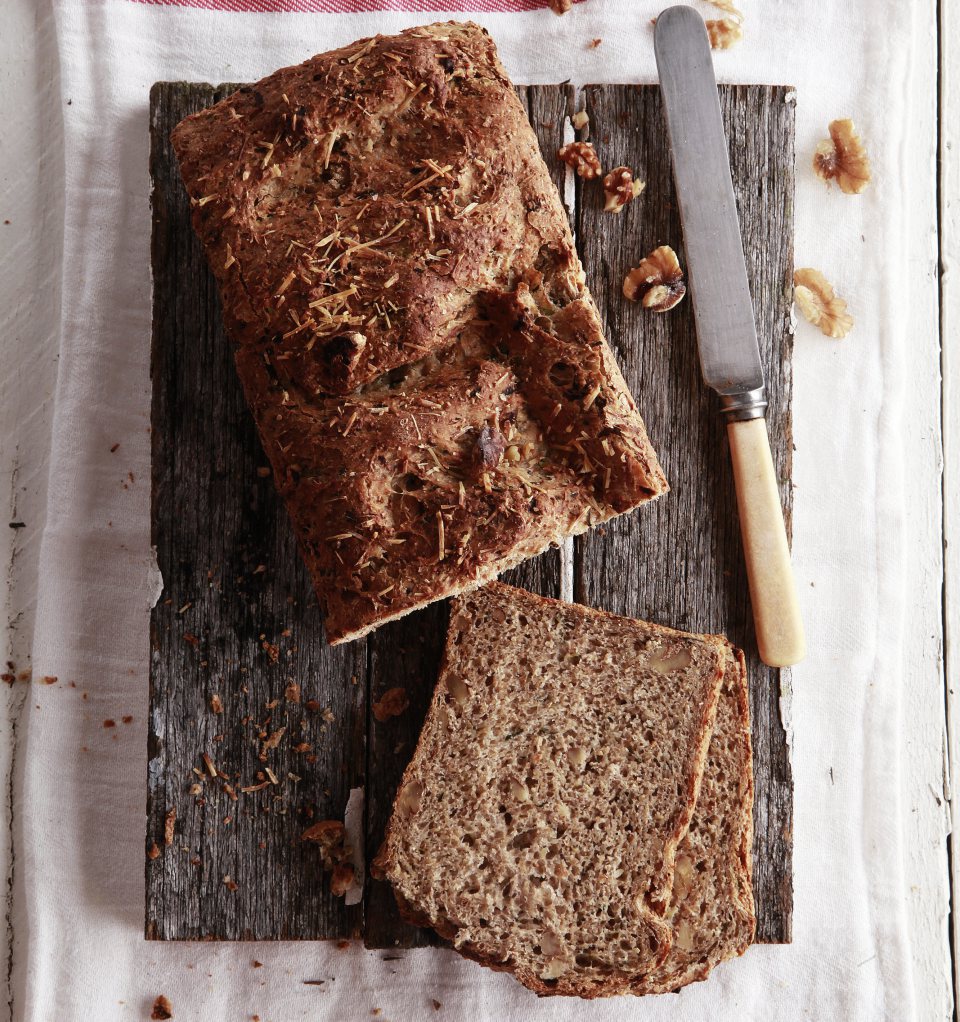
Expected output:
{"points": [[81, 790]]}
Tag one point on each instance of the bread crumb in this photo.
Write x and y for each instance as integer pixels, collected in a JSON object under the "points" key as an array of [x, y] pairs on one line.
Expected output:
{"points": [[162, 1009], [342, 879], [153, 852], [391, 704], [593, 44], [230, 883], [292, 692], [273, 740], [169, 822], [216, 704], [49, 679]]}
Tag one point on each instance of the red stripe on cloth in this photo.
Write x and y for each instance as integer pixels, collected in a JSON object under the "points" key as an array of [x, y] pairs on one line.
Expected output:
{"points": [[351, 6]]}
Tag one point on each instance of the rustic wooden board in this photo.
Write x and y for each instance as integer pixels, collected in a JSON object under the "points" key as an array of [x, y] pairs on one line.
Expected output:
{"points": [[237, 618]]}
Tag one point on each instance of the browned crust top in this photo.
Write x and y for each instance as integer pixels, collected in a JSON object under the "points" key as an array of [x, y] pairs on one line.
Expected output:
{"points": [[411, 327]]}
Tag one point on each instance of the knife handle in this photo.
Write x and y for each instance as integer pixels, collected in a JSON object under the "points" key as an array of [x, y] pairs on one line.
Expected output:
{"points": [[773, 592]]}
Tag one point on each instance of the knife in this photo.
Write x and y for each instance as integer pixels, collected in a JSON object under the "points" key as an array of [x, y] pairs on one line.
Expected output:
{"points": [[726, 331]]}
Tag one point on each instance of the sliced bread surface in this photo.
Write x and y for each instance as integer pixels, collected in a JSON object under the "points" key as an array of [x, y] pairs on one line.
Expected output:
{"points": [[537, 824]]}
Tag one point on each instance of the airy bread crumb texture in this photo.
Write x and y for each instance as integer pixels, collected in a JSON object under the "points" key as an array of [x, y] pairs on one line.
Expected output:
{"points": [[538, 823]]}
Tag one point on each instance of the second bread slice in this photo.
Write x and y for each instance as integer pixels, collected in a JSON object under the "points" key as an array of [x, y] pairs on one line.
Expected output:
{"points": [[537, 825]]}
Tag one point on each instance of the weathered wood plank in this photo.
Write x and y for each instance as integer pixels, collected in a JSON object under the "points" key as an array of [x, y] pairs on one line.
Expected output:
{"points": [[406, 654], [214, 512], [679, 562], [237, 619]]}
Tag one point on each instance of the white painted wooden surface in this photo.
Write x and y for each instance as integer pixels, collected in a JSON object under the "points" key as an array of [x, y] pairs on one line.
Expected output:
{"points": [[925, 802], [30, 169], [31, 162], [950, 333]]}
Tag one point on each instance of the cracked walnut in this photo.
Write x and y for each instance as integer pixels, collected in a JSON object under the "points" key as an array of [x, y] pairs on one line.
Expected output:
{"points": [[619, 187], [819, 303], [843, 158], [657, 281]]}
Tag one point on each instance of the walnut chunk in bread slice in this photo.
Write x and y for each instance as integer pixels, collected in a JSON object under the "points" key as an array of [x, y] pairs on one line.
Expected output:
{"points": [[537, 826]]}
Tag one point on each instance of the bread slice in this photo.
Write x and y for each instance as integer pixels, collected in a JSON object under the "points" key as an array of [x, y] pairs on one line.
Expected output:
{"points": [[410, 322], [711, 909], [537, 824]]}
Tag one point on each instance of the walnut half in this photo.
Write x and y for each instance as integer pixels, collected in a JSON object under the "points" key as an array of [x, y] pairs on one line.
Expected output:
{"points": [[583, 158], [843, 158], [657, 281], [819, 304], [723, 33], [620, 188]]}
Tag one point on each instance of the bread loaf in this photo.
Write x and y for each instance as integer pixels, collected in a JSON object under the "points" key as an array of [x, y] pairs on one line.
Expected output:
{"points": [[411, 326], [538, 822]]}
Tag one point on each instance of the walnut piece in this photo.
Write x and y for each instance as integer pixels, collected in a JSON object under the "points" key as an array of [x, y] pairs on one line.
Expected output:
{"points": [[819, 304], [620, 188], [391, 704], [657, 281], [583, 158], [560, 6], [580, 120], [723, 33], [329, 836], [842, 158]]}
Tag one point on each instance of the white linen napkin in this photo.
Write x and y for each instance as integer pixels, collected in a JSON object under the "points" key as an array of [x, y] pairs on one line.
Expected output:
{"points": [[81, 790]]}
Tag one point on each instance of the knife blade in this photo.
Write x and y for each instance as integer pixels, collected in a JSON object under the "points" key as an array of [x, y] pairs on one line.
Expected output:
{"points": [[722, 307], [723, 312]]}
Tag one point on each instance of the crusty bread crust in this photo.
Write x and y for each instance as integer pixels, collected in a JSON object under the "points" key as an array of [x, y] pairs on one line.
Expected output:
{"points": [[425, 365], [712, 909], [415, 897]]}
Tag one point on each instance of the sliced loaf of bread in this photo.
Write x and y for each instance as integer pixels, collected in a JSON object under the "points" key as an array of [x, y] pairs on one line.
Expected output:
{"points": [[537, 824], [711, 907]]}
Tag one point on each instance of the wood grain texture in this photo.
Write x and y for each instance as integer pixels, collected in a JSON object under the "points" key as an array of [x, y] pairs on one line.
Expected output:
{"points": [[679, 562], [214, 513], [237, 619]]}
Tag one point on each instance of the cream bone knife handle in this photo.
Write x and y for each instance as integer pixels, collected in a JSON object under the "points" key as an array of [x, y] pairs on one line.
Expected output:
{"points": [[773, 592]]}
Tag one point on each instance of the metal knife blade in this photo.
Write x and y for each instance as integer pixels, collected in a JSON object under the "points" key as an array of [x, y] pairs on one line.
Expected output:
{"points": [[723, 309]]}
